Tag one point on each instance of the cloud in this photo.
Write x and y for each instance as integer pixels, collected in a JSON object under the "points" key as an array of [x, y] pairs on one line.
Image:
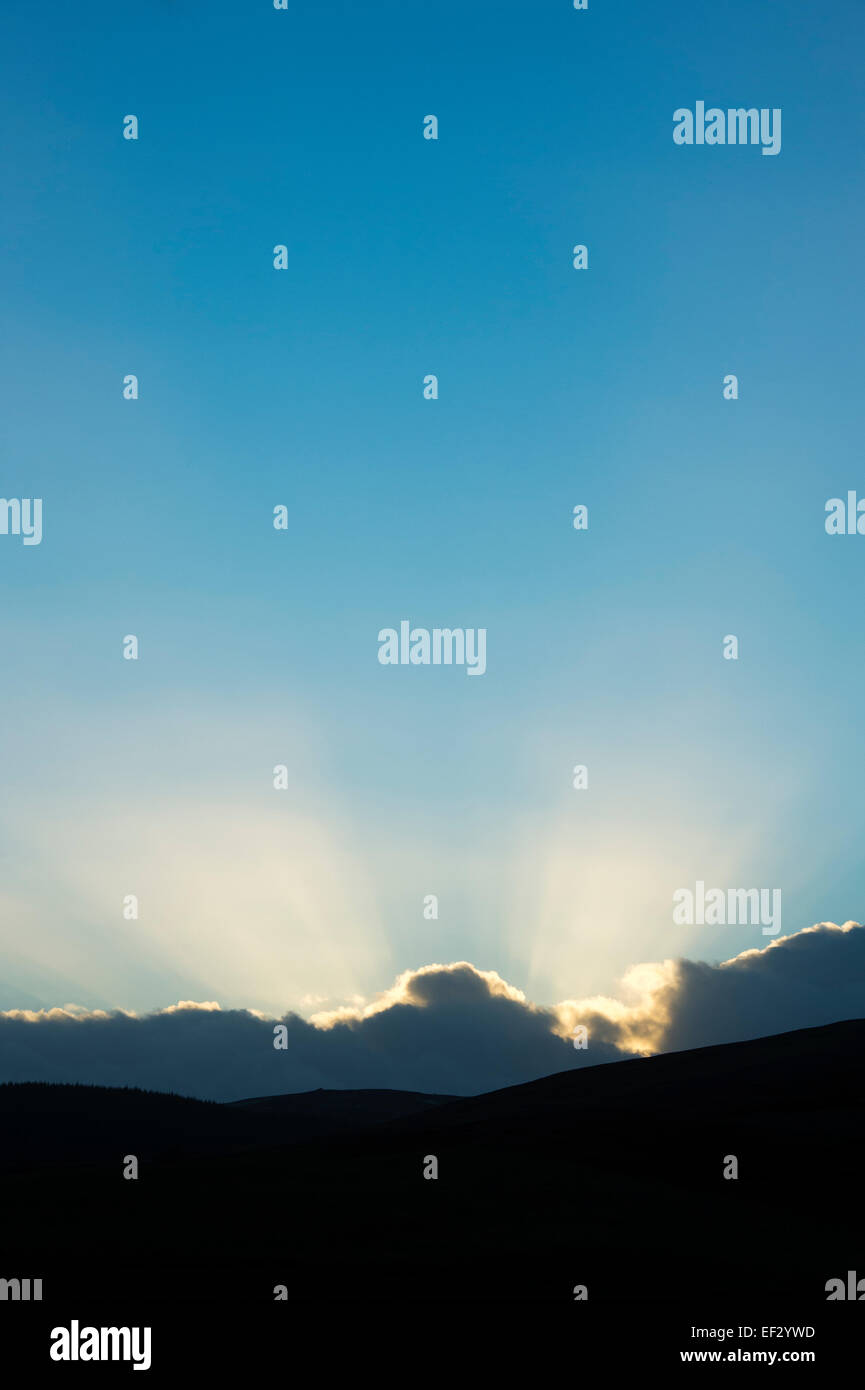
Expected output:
{"points": [[813, 977], [423, 987], [445, 1028]]}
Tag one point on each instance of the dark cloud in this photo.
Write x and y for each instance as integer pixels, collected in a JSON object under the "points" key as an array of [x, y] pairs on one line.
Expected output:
{"points": [[445, 1028], [816, 976]]}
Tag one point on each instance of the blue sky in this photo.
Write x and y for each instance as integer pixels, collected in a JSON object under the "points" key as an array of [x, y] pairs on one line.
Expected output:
{"points": [[304, 387]]}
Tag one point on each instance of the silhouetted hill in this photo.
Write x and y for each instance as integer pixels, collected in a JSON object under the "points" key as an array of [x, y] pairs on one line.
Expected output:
{"points": [[42, 1122], [340, 1111], [777, 1073], [610, 1176]]}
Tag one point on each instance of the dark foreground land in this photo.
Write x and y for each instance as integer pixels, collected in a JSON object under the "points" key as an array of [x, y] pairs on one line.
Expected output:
{"points": [[609, 1177]]}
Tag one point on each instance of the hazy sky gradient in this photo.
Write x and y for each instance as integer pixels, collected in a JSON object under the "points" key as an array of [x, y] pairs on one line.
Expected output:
{"points": [[304, 387]]}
